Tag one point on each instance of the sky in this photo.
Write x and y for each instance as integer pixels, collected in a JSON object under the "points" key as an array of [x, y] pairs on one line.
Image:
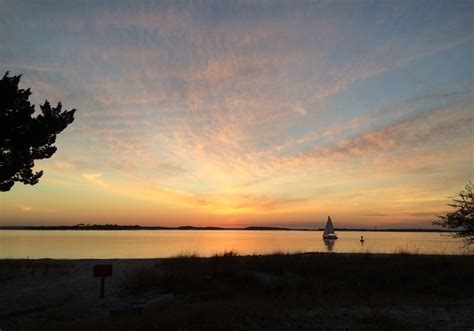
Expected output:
{"points": [[238, 113]]}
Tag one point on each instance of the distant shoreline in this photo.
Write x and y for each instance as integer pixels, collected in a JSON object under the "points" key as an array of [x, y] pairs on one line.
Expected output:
{"points": [[108, 227]]}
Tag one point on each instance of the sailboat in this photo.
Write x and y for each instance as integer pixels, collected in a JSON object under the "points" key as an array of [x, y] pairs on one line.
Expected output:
{"points": [[329, 230]]}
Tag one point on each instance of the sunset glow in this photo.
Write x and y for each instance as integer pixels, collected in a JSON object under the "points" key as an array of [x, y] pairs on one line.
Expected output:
{"points": [[236, 113]]}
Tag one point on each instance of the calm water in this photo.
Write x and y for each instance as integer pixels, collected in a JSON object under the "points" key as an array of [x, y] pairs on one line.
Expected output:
{"points": [[149, 243]]}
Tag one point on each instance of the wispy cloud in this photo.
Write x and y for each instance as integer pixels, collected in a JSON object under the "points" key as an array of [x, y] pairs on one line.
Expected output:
{"points": [[299, 110], [446, 125], [29, 67], [94, 179], [25, 209], [244, 109]]}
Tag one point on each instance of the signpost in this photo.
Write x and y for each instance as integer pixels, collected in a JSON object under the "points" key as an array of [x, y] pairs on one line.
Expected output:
{"points": [[102, 271]]}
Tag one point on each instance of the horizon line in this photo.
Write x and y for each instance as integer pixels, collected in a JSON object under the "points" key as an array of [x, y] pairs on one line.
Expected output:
{"points": [[82, 226]]}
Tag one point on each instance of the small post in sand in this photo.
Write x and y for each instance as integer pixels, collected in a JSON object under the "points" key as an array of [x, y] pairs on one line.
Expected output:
{"points": [[102, 271]]}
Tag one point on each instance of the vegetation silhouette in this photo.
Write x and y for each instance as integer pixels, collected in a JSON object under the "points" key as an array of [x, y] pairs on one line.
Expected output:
{"points": [[461, 219], [24, 138]]}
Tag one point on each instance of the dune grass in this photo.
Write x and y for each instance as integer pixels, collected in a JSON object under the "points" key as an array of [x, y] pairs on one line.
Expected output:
{"points": [[281, 290], [320, 277], [293, 290]]}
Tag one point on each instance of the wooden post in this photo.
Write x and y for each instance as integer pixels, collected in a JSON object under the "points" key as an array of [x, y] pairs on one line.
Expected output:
{"points": [[102, 287], [102, 271]]}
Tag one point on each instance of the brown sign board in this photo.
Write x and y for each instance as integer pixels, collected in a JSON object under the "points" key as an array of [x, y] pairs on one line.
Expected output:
{"points": [[102, 270]]}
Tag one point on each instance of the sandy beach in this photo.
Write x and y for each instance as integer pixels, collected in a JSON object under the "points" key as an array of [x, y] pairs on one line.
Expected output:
{"points": [[303, 291]]}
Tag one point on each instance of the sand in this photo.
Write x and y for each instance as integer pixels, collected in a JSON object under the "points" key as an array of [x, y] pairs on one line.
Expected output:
{"points": [[56, 294]]}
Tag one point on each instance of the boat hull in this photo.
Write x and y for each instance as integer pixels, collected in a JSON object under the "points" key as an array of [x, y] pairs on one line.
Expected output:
{"points": [[329, 236]]}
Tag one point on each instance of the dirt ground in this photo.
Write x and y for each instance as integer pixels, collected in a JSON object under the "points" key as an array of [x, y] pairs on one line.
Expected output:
{"points": [[62, 295]]}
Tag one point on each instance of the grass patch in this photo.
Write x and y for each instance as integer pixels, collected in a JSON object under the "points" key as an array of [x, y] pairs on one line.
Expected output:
{"points": [[371, 278], [292, 291]]}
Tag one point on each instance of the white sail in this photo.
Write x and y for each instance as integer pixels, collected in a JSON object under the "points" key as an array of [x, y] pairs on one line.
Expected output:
{"points": [[329, 230], [329, 227]]}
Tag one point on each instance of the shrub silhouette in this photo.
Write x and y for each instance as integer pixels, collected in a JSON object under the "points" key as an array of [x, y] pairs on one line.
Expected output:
{"points": [[24, 138], [461, 219]]}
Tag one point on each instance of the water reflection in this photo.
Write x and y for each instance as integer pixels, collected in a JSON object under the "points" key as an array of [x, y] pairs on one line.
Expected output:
{"points": [[102, 244], [329, 244]]}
